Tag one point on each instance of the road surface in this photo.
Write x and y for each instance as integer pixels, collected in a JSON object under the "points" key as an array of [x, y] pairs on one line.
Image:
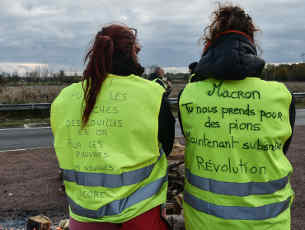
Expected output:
{"points": [[25, 138], [300, 117], [29, 138]]}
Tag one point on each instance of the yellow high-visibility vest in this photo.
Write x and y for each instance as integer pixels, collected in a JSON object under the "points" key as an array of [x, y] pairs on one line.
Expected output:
{"points": [[237, 176], [113, 168]]}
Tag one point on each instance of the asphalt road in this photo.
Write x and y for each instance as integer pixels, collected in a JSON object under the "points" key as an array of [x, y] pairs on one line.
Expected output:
{"points": [[300, 117], [29, 138], [25, 138]]}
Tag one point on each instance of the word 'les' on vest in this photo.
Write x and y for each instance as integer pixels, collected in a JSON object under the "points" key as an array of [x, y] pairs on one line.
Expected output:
{"points": [[237, 176], [113, 168]]}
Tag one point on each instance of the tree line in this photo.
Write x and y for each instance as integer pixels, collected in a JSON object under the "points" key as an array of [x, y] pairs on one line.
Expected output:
{"points": [[37, 78], [282, 72], [271, 72]]}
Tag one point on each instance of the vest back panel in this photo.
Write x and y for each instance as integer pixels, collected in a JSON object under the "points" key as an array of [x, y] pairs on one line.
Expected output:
{"points": [[115, 154], [235, 133]]}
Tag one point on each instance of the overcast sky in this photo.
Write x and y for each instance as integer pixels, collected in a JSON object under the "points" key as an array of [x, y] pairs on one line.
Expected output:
{"points": [[58, 32]]}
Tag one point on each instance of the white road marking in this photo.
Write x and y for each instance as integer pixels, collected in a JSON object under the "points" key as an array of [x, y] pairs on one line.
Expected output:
{"points": [[11, 129], [32, 148]]}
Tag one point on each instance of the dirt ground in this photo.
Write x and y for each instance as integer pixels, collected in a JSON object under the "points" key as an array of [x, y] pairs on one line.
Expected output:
{"points": [[30, 185]]}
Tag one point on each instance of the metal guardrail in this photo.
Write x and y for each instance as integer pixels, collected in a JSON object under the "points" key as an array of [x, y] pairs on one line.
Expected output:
{"points": [[23, 107], [172, 101], [46, 106], [298, 95]]}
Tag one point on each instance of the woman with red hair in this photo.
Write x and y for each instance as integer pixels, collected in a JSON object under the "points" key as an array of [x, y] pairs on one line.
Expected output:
{"points": [[112, 133]]}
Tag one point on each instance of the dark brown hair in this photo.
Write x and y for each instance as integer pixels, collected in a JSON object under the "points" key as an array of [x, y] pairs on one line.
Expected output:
{"points": [[228, 17], [114, 46]]}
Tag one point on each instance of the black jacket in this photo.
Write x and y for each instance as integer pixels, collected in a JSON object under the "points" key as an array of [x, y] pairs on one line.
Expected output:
{"points": [[233, 57], [166, 131], [230, 57]]}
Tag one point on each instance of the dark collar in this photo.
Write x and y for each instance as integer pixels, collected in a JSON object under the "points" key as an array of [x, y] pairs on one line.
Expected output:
{"points": [[209, 43], [231, 56]]}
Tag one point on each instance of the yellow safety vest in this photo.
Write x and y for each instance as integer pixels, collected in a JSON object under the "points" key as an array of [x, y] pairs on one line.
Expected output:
{"points": [[113, 168], [237, 176]]}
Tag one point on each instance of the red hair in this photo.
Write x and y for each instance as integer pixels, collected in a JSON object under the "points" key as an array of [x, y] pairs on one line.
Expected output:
{"points": [[111, 39]]}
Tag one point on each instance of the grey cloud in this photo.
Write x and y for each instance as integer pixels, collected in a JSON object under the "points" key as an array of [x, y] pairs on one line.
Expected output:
{"points": [[58, 32]]}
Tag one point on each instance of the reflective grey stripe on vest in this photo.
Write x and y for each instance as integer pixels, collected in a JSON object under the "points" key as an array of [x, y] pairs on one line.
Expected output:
{"points": [[109, 180], [118, 206], [237, 212], [160, 82], [235, 189]]}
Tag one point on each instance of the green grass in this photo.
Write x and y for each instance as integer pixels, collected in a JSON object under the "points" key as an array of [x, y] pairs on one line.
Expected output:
{"points": [[300, 105], [22, 122], [19, 118]]}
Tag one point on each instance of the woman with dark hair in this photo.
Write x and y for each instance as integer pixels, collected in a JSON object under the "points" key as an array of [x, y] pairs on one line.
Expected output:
{"points": [[158, 76], [192, 67], [112, 133], [238, 129]]}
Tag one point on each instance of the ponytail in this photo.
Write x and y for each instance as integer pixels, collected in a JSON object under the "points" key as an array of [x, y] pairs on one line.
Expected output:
{"points": [[99, 65], [114, 47]]}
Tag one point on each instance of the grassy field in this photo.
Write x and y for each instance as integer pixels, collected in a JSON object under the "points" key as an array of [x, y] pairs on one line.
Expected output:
{"points": [[296, 86], [28, 94], [19, 118]]}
